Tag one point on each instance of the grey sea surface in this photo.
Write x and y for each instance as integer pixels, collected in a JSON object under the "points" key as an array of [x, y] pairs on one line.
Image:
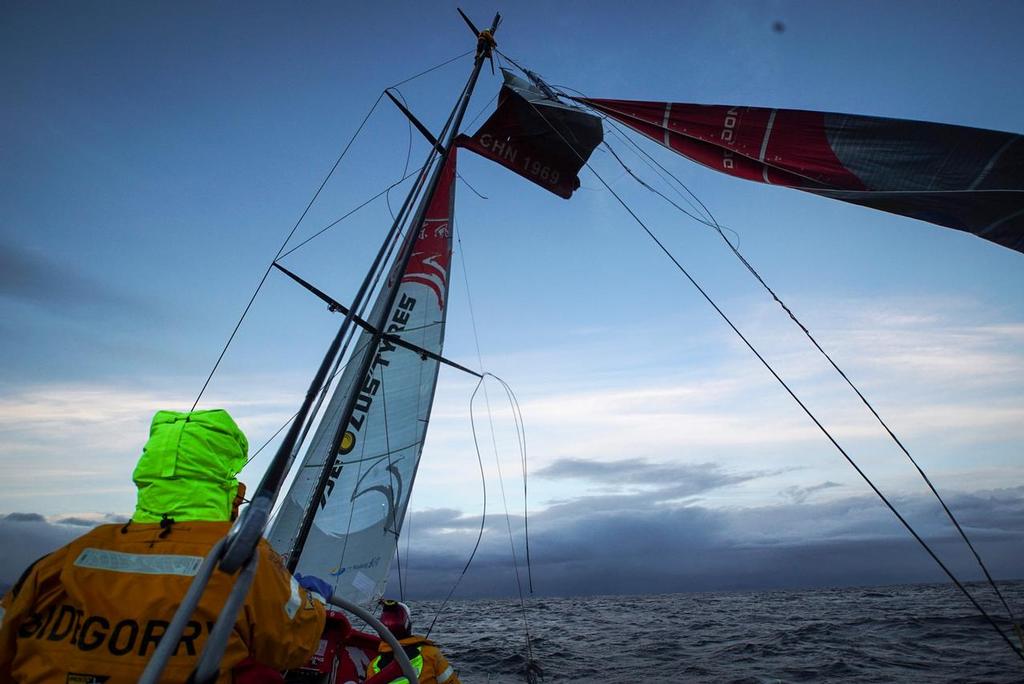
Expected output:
{"points": [[909, 633]]}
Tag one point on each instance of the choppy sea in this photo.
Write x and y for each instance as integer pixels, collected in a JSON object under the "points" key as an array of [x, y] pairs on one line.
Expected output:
{"points": [[908, 633]]}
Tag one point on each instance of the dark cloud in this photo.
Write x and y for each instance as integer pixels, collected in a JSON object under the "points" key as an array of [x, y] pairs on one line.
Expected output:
{"points": [[92, 522], [60, 323], [595, 545], [26, 538], [636, 544], [24, 517], [33, 278]]}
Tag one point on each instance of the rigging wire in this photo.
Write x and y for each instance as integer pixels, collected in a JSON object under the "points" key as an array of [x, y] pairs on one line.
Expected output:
{"points": [[508, 520], [792, 394], [399, 238], [368, 345], [468, 185], [483, 517], [278, 255], [433, 68], [338, 220], [476, 445], [470, 125], [698, 208], [408, 540], [391, 477], [482, 110], [401, 581], [284, 244], [713, 223], [497, 460], [517, 416], [408, 154], [338, 368], [532, 667], [395, 238], [268, 441]]}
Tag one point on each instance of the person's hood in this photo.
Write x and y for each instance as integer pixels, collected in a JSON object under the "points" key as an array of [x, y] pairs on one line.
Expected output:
{"points": [[187, 468]]}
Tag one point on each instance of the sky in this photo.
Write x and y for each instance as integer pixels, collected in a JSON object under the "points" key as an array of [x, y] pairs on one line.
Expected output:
{"points": [[156, 155]]}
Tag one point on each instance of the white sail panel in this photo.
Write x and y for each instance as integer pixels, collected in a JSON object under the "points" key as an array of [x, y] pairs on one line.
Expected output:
{"points": [[355, 530]]}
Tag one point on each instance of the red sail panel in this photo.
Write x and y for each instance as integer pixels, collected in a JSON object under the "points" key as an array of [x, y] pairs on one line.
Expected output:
{"points": [[540, 138], [432, 253], [969, 179]]}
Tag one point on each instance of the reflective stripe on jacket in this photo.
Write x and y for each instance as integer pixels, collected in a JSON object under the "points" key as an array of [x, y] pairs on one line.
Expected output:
{"points": [[430, 665], [95, 610]]}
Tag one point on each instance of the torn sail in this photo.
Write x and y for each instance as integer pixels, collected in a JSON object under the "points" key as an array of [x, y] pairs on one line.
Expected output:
{"points": [[540, 138], [966, 178], [358, 519]]}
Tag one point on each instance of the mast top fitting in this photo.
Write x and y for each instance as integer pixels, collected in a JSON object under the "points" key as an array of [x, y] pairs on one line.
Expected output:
{"points": [[485, 43]]}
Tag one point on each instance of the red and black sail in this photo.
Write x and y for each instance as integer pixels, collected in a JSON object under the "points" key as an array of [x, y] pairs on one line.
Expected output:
{"points": [[969, 179], [536, 135]]}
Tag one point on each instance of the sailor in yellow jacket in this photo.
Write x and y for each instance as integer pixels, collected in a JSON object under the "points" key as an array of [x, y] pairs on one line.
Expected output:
{"points": [[94, 610], [430, 665]]}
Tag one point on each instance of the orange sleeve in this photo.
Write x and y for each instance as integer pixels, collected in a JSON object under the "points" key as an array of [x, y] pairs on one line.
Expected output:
{"points": [[286, 622], [446, 674], [13, 608]]}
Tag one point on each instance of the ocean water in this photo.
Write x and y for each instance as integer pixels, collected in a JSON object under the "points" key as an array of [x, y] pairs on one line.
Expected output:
{"points": [[910, 633]]}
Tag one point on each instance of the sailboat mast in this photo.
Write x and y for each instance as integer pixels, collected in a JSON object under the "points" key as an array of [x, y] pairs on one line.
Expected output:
{"points": [[484, 46]]}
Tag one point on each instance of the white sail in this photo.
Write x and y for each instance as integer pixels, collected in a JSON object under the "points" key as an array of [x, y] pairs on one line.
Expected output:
{"points": [[358, 519]]}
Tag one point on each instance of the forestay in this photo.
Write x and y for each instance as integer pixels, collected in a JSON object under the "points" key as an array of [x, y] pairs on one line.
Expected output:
{"points": [[355, 529]]}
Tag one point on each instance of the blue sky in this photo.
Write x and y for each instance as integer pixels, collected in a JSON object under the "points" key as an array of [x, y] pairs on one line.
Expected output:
{"points": [[157, 154]]}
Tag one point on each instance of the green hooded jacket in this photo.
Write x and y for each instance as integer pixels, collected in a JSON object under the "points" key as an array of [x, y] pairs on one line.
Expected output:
{"points": [[188, 467]]}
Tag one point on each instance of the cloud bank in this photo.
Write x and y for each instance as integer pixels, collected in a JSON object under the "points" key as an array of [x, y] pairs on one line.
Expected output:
{"points": [[25, 537], [649, 542], [646, 542]]}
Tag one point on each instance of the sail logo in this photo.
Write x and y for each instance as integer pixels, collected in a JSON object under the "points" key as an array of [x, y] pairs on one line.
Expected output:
{"points": [[348, 443], [368, 392], [428, 264], [368, 565], [728, 136], [728, 133], [434, 276]]}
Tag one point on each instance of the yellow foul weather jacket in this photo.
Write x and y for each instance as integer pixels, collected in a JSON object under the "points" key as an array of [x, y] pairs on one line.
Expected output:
{"points": [[94, 610], [426, 658]]}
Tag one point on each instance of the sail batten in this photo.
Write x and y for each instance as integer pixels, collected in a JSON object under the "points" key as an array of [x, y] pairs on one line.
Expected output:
{"points": [[970, 179], [359, 516]]}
